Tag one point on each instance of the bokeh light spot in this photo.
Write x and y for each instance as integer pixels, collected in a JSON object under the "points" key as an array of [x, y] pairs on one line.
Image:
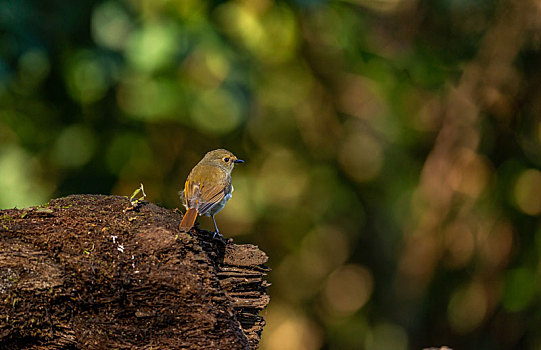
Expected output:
{"points": [[207, 66], [153, 46], [460, 244], [110, 25], [239, 21], [467, 307], [19, 183], [280, 40], [471, 173], [74, 147], [387, 336], [527, 192], [282, 179], [361, 157], [359, 97], [128, 153], [288, 329], [147, 98], [217, 111], [496, 244], [323, 250], [87, 79], [34, 66], [217, 63], [348, 289], [270, 35]]}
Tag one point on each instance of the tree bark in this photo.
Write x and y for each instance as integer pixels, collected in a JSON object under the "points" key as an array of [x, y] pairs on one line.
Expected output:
{"points": [[96, 272]]}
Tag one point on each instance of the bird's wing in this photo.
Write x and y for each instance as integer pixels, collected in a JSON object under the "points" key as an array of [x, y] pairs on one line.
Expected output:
{"points": [[206, 189]]}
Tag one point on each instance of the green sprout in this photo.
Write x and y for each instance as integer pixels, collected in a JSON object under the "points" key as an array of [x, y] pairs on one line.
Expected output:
{"points": [[135, 202]]}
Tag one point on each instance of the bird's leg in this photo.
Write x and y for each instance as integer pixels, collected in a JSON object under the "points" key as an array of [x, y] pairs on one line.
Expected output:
{"points": [[216, 231]]}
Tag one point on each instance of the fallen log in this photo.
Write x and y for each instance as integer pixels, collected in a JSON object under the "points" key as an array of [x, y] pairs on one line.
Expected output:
{"points": [[96, 272]]}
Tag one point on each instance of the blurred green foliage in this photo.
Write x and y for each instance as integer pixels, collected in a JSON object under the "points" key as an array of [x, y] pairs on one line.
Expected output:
{"points": [[393, 148]]}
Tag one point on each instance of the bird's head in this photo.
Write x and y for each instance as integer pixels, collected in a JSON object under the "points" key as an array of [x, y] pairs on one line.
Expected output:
{"points": [[222, 158]]}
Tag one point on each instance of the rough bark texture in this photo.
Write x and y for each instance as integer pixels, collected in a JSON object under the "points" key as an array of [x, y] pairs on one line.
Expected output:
{"points": [[93, 272]]}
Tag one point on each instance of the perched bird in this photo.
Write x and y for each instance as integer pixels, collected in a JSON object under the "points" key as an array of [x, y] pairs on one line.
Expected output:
{"points": [[208, 187]]}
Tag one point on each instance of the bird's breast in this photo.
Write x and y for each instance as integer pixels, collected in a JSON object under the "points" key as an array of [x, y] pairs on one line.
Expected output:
{"points": [[219, 206]]}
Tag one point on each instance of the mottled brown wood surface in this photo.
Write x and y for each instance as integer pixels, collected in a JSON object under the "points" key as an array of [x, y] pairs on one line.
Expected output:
{"points": [[92, 272]]}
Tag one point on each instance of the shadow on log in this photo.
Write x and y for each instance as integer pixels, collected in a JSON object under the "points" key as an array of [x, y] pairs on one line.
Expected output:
{"points": [[92, 272]]}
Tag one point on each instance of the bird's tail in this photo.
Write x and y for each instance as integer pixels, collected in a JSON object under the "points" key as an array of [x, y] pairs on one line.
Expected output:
{"points": [[188, 220]]}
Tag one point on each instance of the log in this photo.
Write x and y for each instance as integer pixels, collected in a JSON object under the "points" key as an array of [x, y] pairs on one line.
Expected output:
{"points": [[98, 272]]}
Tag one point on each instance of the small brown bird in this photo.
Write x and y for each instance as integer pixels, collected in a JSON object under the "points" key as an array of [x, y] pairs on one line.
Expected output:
{"points": [[208, 187]]}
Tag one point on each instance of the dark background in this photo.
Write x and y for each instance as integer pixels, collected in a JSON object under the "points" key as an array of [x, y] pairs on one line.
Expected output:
{"points": [[392, 148]]}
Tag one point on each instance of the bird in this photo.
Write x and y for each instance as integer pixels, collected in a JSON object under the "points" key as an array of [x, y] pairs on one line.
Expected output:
{"points": [[208, 187]]}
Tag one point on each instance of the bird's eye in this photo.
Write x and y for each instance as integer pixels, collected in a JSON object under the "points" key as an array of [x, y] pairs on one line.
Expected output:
{"points": [[226, 159]]}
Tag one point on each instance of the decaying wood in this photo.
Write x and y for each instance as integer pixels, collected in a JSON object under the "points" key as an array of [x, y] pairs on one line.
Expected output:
{"points": [[92, 272]]}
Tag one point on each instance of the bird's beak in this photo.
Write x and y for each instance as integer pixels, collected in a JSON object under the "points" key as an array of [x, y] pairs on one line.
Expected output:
{"points": [[238, 161]]}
